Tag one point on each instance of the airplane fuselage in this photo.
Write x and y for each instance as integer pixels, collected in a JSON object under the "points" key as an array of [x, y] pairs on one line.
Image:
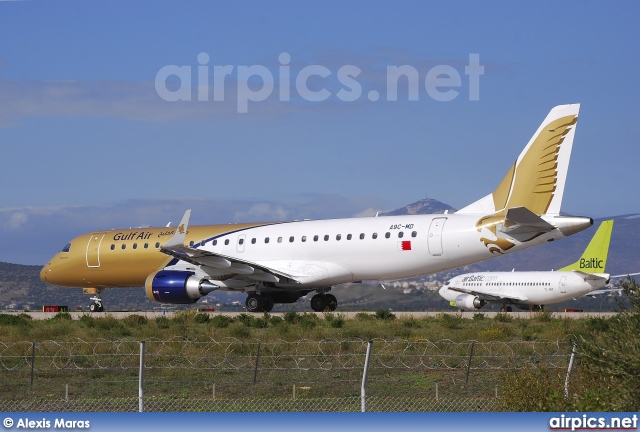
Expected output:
{"points": [[524, 288], [318, 253]]}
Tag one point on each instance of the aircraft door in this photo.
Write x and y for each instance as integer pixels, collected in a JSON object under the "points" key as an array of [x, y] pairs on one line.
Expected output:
{"points": [[93, 250], [240, 245], [563, 284], [435, 236]]}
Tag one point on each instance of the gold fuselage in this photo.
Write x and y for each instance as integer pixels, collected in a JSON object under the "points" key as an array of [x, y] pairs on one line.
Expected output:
{"points": [[120, 258]]}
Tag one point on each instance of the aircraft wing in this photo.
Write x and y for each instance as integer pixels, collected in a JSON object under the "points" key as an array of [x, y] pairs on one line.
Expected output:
{"points": [[521, 224], [603, 291], [176, 248], [624, 275], [490, 295]]}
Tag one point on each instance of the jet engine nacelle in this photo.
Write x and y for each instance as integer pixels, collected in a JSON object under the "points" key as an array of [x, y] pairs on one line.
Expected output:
{"points": [[177, 287], [468, 301]]}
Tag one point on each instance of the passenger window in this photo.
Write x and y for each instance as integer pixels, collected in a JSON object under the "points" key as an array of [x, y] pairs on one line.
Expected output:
{"points": [[113, 247], [291, 239], [315, 238], [191, 243], [215, 242], [326, 238], [157, 245], [374, 236], [387, 235], [338, 237], [362, 236], [348, 236], [241, 241], [304, 238], [400, 234], [146, 245], [66, 248], [124, 246], [253, 241], [413, 234], [135, 245], [279, 239], [226, 242], [266, 239]]}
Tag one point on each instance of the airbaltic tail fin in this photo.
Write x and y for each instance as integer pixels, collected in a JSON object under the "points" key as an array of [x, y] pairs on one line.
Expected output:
{"points": [[536, 180], [594, 258]]}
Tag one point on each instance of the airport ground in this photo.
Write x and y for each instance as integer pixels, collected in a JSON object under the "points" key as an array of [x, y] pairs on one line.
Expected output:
{"points": [[346, 315]]}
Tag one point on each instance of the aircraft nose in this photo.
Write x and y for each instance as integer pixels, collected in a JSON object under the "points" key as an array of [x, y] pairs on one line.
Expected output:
{"points": [[45, 272]]}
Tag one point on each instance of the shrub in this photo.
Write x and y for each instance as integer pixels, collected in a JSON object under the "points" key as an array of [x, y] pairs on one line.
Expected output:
{"points": [[275, 320], [162, 322], [364, 316], [239, 331], [221, 321], [6, 319], [503, 317], [62, 316], [384, 315], [201, 318], [292, 317], [135, 320], [449, 321], [478, 316], [88, 321]]}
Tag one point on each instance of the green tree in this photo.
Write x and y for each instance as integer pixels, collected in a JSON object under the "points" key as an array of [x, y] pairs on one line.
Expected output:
{"points": [[612, 358]]}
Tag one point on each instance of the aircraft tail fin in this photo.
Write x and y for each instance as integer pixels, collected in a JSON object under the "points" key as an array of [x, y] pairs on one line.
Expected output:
{"points": [[594, 258], [536, 180]]}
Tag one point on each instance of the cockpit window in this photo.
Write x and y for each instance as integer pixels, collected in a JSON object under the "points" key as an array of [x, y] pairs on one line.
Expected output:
{"points": [[66, 248]]}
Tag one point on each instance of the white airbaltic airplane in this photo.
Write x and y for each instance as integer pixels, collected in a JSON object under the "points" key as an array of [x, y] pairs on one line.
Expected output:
{"points": [[281, 262], [532, 290]]}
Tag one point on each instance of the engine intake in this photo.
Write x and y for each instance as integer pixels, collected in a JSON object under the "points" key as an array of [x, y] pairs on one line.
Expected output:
{"points": [[468, 301], [177, 287]]}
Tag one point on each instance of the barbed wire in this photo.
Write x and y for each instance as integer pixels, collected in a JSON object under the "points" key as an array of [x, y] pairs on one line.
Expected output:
{"points": [[281, 355]]}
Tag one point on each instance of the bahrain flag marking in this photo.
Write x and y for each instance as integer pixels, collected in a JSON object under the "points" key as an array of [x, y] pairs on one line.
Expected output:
{"points": [[404, 245]]}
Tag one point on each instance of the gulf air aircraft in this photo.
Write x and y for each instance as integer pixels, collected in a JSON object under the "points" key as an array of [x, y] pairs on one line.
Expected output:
{"points": [[533, 290], [281, 262]]}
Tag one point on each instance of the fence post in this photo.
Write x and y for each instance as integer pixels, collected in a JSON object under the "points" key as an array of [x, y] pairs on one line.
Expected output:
{"points": [[255, 373], [66, 392], [496, 390], [141, 379], [363, 389], [294, 392], [437, 396], [33, 359], [213, 392], [566, 381], [469, 363]]}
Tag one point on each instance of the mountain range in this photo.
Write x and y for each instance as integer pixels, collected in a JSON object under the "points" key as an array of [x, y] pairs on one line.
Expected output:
{"points": [[21, 287]]}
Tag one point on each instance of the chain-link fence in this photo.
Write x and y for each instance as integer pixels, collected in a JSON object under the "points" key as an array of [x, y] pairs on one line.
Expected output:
{"points": [[235, 375]]}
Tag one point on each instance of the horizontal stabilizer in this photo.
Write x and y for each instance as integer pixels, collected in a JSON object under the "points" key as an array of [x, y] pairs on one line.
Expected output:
{"points": [[591, 276], [521, 224]]}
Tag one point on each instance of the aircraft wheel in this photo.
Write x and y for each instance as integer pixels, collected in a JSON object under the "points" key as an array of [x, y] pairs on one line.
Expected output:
{"points": [[96, 307], [318, 303], [254, 303], [331, 302], [267, 300]]}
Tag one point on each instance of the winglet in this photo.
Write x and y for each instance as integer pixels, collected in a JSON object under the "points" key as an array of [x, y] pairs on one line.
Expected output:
{"points": [[181, 232], [594, 258]]}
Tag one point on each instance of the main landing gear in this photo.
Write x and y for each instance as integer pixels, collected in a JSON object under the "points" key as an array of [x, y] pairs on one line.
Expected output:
{"points": [[324, 302], [259, 302], [505, 308]]}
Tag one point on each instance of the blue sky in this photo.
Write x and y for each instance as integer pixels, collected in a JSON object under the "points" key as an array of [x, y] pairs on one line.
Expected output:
{"points": [[89, 143]]}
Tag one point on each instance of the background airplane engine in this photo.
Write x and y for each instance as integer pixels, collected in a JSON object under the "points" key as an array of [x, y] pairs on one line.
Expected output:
{"points": [[177, 287], [468, 301]]}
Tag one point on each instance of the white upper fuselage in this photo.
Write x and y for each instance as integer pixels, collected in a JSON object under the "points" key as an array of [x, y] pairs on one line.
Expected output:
{"points": [[329, 252], [526, 288]]}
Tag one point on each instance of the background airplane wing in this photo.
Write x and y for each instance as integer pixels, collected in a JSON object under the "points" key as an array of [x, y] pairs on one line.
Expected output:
{"points": [[490, 295]]}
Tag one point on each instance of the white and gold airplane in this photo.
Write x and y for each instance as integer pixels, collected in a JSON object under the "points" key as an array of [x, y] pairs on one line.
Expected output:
{"points": [[281, 262], [532, 290]]}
